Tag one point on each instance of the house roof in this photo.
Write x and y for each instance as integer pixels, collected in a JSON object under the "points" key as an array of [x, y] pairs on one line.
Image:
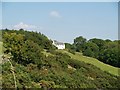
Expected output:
{"points": [[58, 43]]}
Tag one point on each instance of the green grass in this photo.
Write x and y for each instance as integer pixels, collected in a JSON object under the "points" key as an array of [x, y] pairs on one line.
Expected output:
{"points": [[1, 47], [46, 53], [93, 61]]}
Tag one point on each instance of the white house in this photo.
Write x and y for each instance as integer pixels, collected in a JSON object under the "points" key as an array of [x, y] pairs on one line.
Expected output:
{"points": [[59, 45]]}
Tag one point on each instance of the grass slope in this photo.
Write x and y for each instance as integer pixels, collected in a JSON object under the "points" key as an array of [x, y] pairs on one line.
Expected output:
{"points": [[93, 61]]}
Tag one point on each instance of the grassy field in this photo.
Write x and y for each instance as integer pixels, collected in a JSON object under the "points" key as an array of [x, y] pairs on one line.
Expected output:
{"points": [[102, 66], [0, 48]]}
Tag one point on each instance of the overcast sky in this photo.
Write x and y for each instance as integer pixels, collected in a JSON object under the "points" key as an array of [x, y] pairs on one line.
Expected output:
{"points": [[63, 21]]}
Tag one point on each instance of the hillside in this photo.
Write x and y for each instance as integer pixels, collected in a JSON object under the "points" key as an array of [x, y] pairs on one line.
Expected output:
{"points": [[1, 47], [105, 67], [31, 61]]}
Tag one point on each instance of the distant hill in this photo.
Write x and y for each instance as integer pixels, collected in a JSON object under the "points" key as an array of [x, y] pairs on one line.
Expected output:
{"points": [[33, 62]]}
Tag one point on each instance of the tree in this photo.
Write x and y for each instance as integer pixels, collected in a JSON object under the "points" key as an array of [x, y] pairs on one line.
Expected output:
{"points": [[79, 43], [99, 42], [69, 46], [90, 49], [110, 54]]}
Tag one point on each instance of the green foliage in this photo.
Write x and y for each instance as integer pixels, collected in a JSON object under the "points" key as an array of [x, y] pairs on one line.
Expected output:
{"points": [[23, 51], [79, 43], [38, 38], [1, 48], [99, 42], [90, 49], [110, 53], [35, 69], [106, 51], [47, 84], [69, 46], [110, 56], [93, 61]]}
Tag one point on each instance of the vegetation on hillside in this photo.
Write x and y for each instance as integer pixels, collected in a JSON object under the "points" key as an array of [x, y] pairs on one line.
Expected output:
{"points": [[31, 61], [105, 67], [1, 44]]}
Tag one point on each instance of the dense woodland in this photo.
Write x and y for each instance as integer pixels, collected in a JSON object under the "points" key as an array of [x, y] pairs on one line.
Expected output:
{"points": [[38, 64], [104, 50]]}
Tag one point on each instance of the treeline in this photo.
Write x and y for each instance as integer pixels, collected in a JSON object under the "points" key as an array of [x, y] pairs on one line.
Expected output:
{"points": [[106, 51]]}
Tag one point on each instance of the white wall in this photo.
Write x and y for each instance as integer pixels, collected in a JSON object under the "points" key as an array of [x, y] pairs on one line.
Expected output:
{"points": [[60, 46]]}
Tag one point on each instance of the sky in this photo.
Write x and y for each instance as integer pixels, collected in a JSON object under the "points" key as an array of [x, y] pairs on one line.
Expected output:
{"points": [[63, 21], [0, 15], [60, 0]]}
